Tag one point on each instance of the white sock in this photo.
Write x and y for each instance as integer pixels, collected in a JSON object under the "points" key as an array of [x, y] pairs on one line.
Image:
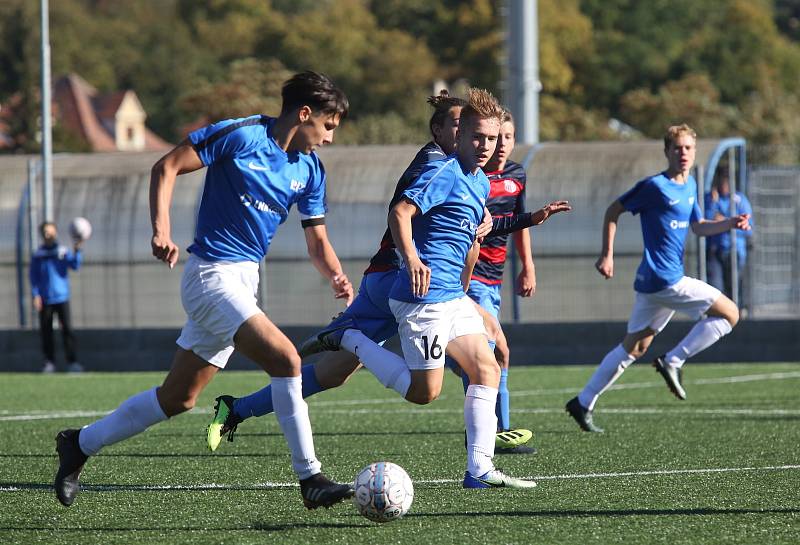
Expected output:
{"points": [[292, 414], [132, 417], [389, 368], [609, 370], [704, 333], [481, 424]]}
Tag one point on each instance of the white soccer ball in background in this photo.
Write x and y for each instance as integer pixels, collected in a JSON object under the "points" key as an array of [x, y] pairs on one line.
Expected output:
{"points": [[384, 492], [80, 229]]}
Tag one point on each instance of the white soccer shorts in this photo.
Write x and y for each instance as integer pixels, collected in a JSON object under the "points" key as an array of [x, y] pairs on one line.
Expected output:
{"points": [[426, 328], [654, 310], [218, 298]]}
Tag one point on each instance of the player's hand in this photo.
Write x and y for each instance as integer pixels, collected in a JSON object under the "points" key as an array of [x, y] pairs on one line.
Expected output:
{"points": [[77, 243], [342, 288], [420, 276], [37, 303], [742, 221], [526, 282], [605, 266], [485, 226], [553, 208], [165, 250]]}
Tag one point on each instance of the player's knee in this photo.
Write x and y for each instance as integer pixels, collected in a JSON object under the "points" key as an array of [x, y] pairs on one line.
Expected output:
{"points": [[733, 316], [502, 355], [174, 404], [423, 394]]}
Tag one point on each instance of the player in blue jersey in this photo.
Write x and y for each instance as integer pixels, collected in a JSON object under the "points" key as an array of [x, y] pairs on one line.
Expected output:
{"points": [[49, 278], [258, 167], [434, 227], [370, 311], [718, 247], [667, 206], [506, 198]]}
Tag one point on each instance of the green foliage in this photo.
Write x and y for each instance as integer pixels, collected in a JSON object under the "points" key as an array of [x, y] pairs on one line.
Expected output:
{"points": [[250, 86], [727, 66]]}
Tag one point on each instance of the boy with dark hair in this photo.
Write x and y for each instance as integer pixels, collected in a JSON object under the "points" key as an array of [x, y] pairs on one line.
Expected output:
{"points": [[258, 167]]}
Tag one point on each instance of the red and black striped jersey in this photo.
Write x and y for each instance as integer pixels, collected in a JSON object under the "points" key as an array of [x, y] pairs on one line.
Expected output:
{"points": [[386, 258], [506, 198]]}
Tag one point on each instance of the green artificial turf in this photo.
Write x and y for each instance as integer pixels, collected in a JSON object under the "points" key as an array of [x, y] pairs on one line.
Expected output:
{"points": [[721, 467]]}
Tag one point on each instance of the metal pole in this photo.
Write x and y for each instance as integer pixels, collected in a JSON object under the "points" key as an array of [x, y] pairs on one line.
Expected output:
{"points": [[732, 173], [47, 136], [523, 68], [702, 273]]}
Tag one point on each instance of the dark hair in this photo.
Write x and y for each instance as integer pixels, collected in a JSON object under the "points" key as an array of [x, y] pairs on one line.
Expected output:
{"points": [[441, 105], [45, 224], [316, 91]]}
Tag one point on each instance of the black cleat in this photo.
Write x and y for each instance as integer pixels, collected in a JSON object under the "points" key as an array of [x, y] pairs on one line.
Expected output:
{"points": [[70, 463], [329, 339], [519, 449], [320, 491], [582, 416], [673, 376]]}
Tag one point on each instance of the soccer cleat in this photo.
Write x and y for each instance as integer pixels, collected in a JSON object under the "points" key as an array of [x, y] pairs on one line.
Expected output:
{"points": [[75, 367], [512, 438], [49, 367], [519, 449], [70, 463], [320, 491], [495, 479], [582, 416], [673, 376], [224, 422], [328, 339]]}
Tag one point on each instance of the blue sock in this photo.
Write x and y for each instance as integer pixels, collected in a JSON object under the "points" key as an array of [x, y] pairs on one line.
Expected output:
{"points": [[503, 407], [260, 402]]}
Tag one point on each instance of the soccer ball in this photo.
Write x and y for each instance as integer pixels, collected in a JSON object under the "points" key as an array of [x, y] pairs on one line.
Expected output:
{"points": [[384, 492], [80, 229]]}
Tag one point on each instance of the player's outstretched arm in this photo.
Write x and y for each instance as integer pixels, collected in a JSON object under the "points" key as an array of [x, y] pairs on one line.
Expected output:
{"points": [[541, 215], [182, 159], [605, 263], [706, 228], [400, 226], [327, 263], [516, 222]]}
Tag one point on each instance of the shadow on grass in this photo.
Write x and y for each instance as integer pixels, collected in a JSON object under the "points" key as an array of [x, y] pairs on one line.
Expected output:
{"points": [[156, 455], [104, 487], [701, 511], [255, 527]]}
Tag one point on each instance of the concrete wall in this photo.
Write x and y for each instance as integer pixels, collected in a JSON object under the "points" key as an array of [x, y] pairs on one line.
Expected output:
{"points": [[532, 344]]}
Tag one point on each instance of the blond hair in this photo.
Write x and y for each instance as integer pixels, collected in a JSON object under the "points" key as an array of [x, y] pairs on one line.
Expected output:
{"points": [[675, 131], [481, 104]]}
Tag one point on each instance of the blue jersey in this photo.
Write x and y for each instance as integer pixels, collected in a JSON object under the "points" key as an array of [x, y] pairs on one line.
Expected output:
{"points": [[386, 259], [451, 203], [251, 184], [722, 206], [666, 209], [48, 272]]}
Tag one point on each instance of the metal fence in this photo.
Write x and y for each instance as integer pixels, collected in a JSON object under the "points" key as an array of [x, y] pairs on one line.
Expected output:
{"points": [[121, 285]]}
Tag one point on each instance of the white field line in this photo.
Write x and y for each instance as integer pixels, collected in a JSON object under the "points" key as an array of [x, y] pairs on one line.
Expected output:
{"points": [[660, 383], [270, 485], [7, 416]]}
